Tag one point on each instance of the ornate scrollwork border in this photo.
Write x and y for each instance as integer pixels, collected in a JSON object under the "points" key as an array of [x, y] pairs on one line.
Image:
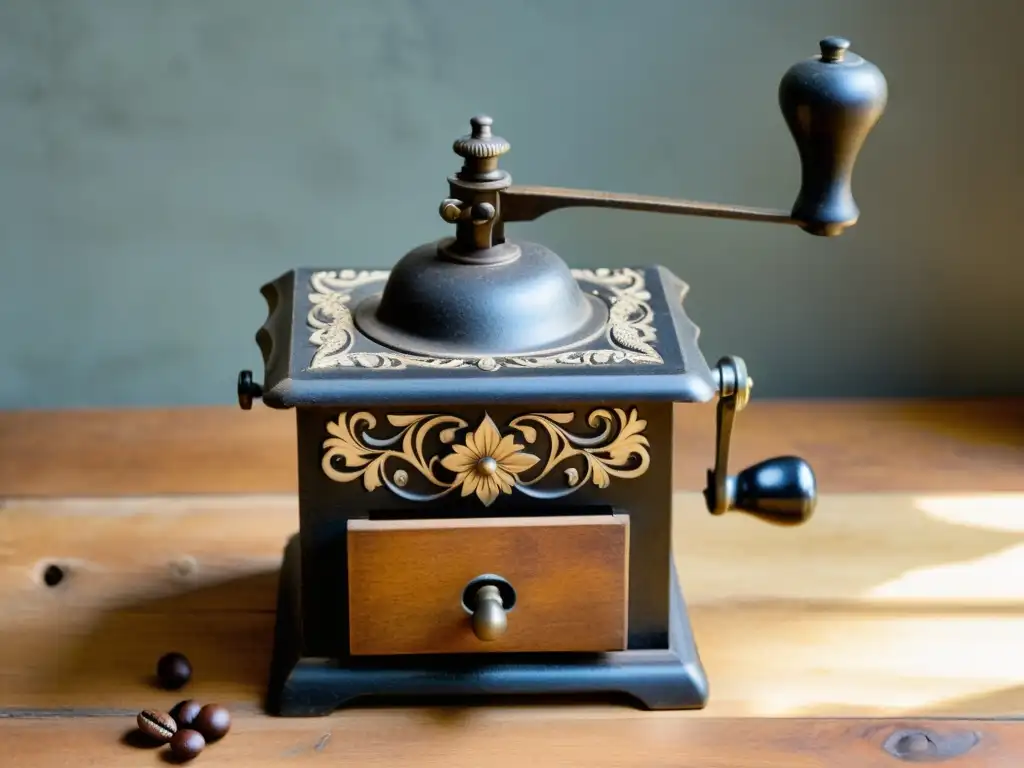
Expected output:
{"points": [[629, 331], [486, 462]]}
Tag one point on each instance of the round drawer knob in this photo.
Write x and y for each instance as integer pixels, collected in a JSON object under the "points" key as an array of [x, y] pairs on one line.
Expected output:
{"points": [[489, 616]]}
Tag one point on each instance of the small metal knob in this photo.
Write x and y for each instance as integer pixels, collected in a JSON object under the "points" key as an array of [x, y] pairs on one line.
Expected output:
{"points": [[480, 151], [481, 142], [489, 617], [451, 209], [482, 213]]}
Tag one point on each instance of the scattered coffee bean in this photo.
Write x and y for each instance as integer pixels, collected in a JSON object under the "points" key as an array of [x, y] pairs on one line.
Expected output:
{"points": [[185, 712], [173, 670], [159, 726], [213, 722], [187, 744]]}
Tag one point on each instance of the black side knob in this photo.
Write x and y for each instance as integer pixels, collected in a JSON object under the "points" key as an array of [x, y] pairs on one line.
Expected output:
{"points": [[830, 103], [248, 390], [782, 490]]}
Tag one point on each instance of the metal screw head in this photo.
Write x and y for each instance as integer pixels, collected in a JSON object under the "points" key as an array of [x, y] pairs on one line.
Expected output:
{"points": [[401, 478], [450, 210], [481, 213]]}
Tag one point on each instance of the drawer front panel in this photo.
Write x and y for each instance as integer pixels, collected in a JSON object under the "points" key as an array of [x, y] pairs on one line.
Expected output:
{"points": [[407, 580]]}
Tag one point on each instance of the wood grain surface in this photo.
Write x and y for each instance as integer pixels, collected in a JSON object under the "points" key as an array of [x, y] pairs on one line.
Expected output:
{"points": [[882, 605], [513, 738], [406, 579], [903, 598], [878, 445]]}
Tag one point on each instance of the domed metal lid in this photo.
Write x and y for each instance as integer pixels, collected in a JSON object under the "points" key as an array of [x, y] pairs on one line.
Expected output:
{"points": [[477, 293], [480, 318]]}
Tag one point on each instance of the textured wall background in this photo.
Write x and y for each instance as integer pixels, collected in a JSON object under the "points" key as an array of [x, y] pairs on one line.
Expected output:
{"points": [[159, 161]]}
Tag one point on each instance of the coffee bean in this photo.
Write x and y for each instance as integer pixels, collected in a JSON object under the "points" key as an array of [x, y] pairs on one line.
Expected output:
{"points": [[213, 722], [185, 712], [173, 670], [186, 744], [157, 725]]}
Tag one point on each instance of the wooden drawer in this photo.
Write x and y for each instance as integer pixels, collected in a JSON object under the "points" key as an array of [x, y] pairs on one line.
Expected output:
{"points": [[407, 580]]}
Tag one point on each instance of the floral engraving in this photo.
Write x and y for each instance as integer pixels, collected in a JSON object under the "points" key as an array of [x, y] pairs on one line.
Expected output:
{"points": [[488, 463], [629, 331], [485, 462]]}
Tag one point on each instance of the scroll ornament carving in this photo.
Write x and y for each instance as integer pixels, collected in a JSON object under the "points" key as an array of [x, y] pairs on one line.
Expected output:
{"points": [[488, 461], [629, 331]]}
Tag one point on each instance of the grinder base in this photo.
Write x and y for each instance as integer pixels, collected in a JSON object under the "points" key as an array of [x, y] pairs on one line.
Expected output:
{"points": [[302, 686]]}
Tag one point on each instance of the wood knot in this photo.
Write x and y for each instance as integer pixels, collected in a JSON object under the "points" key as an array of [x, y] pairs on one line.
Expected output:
{"points": [[919, 745], [184, 567], [52, 574]]}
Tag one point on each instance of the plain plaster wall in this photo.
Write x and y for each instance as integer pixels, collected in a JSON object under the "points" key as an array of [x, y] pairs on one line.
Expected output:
{"points": [[160, 160]]}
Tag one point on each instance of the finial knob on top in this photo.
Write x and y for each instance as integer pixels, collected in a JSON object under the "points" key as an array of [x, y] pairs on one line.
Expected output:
{"points": [[833, 49], [481, 142], [830, 103], [480, 151]]}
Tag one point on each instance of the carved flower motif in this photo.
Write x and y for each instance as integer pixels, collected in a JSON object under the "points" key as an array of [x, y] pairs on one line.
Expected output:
{"points": [[488, 464]]}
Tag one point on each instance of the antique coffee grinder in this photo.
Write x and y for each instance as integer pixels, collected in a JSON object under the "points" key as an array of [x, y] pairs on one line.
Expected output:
{"points": [[485, 440]]}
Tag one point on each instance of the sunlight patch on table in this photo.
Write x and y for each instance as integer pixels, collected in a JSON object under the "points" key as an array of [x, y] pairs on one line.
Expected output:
{"points": [[999, 512], [998, 576], [859, 665]]}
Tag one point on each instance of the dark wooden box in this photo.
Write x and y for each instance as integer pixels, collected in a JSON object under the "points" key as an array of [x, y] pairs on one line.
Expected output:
{"points": [[395, 513]]}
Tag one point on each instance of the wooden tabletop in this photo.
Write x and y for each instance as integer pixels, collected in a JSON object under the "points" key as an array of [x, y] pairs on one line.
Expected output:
{"points": [[899, 606]]}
